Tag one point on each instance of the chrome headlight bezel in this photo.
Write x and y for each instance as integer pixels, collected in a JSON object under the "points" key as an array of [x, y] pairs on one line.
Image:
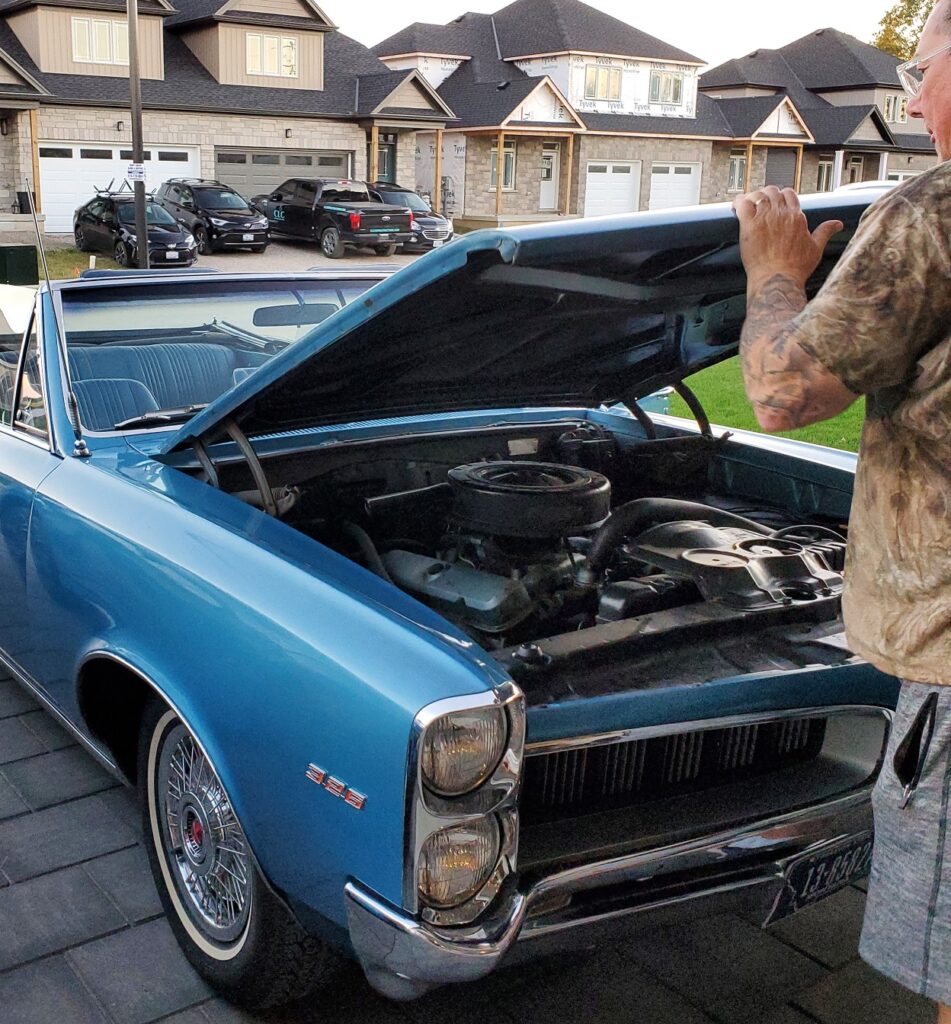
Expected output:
{"points": [[429, 812]]}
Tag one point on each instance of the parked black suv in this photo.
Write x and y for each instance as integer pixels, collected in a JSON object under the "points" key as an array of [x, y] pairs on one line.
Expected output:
{"points": [[429, 230], [107, 224], [216, 215], [337, 213]]}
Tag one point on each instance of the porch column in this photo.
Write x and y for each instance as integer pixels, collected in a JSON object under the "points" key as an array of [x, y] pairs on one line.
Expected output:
{"points": [[373, 169], [571, 163], [798, 167], [437, 186], [838, 162], [499, 172], [35, 149], [883, 167], [749, 166]]}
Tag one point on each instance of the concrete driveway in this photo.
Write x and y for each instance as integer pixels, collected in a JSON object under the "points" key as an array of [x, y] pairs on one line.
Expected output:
{"points": [[290, 255], [83, 941]]}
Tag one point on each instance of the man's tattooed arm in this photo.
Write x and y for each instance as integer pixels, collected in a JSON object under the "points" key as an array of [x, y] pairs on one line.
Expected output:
{"points": [[785, 385]]}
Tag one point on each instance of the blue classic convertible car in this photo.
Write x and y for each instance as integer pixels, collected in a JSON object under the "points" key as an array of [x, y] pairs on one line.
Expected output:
{"points": [[422, 640]]}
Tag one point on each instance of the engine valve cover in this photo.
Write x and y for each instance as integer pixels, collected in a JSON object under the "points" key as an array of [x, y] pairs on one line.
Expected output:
{"points": [[537, 500]]}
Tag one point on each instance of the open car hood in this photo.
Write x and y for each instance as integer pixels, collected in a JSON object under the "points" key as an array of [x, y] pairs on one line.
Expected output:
{"points": [[574, 314]]}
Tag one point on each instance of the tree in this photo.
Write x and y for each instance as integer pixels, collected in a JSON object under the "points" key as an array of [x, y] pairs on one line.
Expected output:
{"points": [[900, 27]]}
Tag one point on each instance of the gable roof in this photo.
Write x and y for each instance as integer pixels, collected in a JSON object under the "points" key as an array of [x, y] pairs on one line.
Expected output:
{"points": [[372, 92], [835, 126], [825, 59], [527, 27], [197, 12], [188, 85], [746, 115]]}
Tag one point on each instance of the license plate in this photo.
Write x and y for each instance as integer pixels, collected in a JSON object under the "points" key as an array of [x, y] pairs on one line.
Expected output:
{"points": [[813, 877], [247, 238], [171, 255], [438, 243], [384, 238]]}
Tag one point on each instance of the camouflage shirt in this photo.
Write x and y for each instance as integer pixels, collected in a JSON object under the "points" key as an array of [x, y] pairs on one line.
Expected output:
{"points": [[882, 325]]}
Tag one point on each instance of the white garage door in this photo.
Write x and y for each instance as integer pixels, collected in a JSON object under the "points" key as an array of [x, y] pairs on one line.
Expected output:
{"points": [[612, 186], [674, 185], [70, 173]]}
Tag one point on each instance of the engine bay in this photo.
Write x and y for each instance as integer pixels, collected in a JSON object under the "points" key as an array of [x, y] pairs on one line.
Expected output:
{"points": [[548, 544]]}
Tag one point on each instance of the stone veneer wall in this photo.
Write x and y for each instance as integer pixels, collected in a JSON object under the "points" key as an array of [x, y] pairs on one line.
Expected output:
{"points": [[173, 128], [480, 201], [406, 159]]}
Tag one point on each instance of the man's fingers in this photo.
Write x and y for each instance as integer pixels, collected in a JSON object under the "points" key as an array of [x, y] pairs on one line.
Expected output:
{"points": [[825, 231]]}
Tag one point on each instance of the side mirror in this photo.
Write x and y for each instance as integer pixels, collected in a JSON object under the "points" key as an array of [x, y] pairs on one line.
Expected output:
{"points": [[276, 197]]}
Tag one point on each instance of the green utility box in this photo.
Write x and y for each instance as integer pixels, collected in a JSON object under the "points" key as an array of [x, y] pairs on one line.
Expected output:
{"points": [[18, 264]]}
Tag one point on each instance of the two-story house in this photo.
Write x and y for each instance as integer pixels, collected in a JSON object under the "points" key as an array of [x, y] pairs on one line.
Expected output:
{"points": [[246, 91], [848, 97], [563, 110]]}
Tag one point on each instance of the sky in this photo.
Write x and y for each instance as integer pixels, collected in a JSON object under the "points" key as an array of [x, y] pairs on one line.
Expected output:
{"points": [[712, 31]]}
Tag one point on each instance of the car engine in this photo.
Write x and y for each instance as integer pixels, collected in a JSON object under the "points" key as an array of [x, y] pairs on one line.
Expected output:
{"points": [[526, 549]]}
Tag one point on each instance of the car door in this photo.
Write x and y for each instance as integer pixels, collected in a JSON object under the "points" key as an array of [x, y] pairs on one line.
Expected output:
{"points": [[108, 226], [301, 213], [89, 221], [278, 203], [25, 460]]}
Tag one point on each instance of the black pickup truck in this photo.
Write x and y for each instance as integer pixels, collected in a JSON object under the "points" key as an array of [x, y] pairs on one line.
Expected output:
{"points": [[337, 213]]}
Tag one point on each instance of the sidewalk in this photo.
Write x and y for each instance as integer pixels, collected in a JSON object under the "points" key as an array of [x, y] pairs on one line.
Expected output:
{"points": [[82, 939]]}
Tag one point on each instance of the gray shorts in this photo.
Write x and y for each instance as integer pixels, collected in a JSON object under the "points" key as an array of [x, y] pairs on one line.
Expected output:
{"points": [[907, 930]]}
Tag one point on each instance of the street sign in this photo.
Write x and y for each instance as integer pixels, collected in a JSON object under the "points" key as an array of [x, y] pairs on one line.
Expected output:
{"points": [[136, 172]]}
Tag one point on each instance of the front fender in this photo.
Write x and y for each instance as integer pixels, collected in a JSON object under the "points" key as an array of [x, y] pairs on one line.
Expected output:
{"points": [[277, 651]]}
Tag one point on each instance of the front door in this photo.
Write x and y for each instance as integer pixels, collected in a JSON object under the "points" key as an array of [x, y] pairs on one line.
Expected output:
{"points": [[548, 195]]}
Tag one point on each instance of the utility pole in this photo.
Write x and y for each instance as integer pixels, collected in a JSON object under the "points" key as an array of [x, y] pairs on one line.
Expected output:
{"points": [[138, 153]]}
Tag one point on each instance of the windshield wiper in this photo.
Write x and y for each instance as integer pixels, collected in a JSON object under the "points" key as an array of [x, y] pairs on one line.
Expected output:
{"points": [[160, 417]]}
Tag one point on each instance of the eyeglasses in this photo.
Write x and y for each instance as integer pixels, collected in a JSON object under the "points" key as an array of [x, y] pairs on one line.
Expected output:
{"points": [[910, 76]]}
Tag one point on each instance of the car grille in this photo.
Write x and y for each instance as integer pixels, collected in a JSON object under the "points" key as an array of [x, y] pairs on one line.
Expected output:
{"points": [[583, 780], [435, 234]]}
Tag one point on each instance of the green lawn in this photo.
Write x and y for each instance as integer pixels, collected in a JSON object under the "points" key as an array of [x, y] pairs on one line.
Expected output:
{"points": [[69, 262], [720, 390]]}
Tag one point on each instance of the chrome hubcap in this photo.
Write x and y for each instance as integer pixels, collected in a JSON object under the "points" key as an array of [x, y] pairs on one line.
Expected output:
{"points": [[205, 844]]}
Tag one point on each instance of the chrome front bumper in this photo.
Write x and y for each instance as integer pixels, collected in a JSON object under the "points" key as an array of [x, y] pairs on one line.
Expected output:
{"points": [[746, 867]]}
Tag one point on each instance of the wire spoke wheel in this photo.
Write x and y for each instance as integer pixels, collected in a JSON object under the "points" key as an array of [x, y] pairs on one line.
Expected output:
{"points": [[203, 842]]}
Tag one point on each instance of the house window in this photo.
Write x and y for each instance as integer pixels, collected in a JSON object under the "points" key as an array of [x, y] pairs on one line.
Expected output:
{"points": [[856, 168], [824, 179], [896, 108], [508, 167], [666, 87], [737, 180], [99, 41], [271, 55], [602, 83], [902, 175]]}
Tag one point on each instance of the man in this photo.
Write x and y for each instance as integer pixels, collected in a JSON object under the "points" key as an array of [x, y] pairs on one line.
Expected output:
{"points": [[881, 327]]}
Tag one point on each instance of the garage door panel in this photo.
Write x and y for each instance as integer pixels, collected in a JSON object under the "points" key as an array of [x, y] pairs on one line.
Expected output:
{"points": [[71, 172], [612, 186], [255, 171], [674, 184]]}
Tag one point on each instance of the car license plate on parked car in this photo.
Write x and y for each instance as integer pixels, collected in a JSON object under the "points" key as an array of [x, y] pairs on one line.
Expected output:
{"points": [[438, 242], [385, 238], [247, 238], [171, 255], [819, 874]]}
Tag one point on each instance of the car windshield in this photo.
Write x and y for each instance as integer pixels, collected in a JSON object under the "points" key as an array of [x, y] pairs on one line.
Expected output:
{"points": [[154, 214], [218, 199], [146, 355], [410, 199]]}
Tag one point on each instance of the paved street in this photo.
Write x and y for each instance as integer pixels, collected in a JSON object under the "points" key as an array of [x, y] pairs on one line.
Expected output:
{"points": [[82, 939], [288, 254]]}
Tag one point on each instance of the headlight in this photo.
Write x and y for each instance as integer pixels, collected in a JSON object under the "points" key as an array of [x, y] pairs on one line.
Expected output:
{"points": [[262, 223], [189, 241], [460, 750], [218, 222], [451, 226], [455, 863]]}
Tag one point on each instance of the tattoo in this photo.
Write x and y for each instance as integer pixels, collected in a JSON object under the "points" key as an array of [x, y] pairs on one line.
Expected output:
{"points": [[783, 383]]}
